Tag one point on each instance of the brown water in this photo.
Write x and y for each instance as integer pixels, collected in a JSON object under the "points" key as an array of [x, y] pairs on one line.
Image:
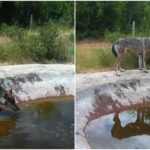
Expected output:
{"points": [[129, 129], [44, 124]]}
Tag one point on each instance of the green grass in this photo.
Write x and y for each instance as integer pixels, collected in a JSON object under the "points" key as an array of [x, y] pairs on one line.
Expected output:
{"points": [[93, 59], [10, 52], [101, 59], [50, 43]]}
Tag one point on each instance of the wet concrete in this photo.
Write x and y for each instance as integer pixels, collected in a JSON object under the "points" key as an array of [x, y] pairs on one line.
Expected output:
{"points": [[121, 130], [39, 124]]}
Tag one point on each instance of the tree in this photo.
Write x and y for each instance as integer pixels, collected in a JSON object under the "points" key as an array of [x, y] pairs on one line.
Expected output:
{"points": [[94, 19], [16, 12]]}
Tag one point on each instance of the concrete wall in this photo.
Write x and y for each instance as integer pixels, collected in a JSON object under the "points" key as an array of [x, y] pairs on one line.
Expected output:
{"points": [[98, 94], [38, 81]]}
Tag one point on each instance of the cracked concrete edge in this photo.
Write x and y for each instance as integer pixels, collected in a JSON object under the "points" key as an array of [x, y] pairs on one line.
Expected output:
{"points": [[38, 81]]}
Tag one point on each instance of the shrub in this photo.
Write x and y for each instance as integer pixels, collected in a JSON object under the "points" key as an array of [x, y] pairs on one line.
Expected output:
{"points": [[48, 43], [56, 43], [32, 48], [69, 42], [105, 58], [112, 37], [10, 52], [12, 31]]}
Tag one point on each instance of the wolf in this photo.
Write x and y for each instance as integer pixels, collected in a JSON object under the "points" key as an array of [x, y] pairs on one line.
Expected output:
{"points": [[7, 99], [138, 46]]}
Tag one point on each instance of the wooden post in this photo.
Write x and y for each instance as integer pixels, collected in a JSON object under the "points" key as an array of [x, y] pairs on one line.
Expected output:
{"points": [[31, 21], [133, 28]]}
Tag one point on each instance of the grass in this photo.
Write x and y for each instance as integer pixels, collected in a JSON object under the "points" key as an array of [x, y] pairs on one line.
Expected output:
{"points": [[50, 43], [10, 52], [94, 56]]}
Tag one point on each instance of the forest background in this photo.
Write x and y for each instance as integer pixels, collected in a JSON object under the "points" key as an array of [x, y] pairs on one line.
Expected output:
{"points": [[99, 24], [36, 32]]}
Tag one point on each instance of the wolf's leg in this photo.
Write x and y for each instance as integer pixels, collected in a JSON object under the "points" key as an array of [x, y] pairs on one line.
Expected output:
{"points": [[120, 68], [140, 62], [144, 63], [117, 67], [120, 58], [144, 67], [120, 55]]}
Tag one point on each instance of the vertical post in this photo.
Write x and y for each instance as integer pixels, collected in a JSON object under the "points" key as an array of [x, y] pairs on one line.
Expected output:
{"points": [[31, 21], [133, 28]]}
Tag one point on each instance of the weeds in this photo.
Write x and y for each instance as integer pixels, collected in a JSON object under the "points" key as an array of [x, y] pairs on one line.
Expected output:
{"points": [[44, 44]]}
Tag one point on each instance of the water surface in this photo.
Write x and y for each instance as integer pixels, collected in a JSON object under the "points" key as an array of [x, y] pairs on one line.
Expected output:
{"points": [[44, 124], [129, 129]]}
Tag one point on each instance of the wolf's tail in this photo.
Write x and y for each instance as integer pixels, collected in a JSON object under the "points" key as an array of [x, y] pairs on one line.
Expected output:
{"points": [[114, 50]]}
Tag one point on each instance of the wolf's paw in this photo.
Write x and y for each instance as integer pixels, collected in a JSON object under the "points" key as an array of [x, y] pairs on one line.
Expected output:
{"points": [[122, 70], [118, 73], [140, 68], [145, 70]]}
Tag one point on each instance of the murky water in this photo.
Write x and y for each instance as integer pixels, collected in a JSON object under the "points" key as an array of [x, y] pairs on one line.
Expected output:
{"points": [[39, 125], [127, 129]]}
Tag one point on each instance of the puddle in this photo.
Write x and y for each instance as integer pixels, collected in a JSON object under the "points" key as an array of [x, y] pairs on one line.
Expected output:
{"points": [[39, 125], [129, 129]]}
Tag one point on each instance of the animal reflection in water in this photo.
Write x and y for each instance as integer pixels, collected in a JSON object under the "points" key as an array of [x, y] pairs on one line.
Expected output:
{"points": [[139, 127], [7, 125]]}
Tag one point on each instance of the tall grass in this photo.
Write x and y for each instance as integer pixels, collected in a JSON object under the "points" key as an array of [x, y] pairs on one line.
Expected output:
{"points": [[101, 58], [50, 43], [10, 52]]}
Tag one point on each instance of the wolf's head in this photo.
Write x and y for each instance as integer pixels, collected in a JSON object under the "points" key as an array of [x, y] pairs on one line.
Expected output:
{"points": [[7, 99], [12, 104]]}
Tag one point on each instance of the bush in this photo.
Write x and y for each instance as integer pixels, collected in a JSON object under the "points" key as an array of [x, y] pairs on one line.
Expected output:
{"points": [[48, 43], [69, 42], [56, 42], [10, 52], [32, 47], [105, 58], [12, 31], [112, 37]]}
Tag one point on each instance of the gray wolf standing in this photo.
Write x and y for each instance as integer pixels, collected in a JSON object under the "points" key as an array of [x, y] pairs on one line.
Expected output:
{"points": [[138, 46]]}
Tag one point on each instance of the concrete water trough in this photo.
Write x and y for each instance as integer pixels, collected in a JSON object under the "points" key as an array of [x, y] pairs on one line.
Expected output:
{"points": [[46, 106], [36, 81], [99, 94]]}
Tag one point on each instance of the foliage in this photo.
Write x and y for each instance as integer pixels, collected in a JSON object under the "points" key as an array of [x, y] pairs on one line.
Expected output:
{"points": [[46, 38], [48, 43], [112, 37], [96, 18], [10, 52], [12, 31], [19, 12]]}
